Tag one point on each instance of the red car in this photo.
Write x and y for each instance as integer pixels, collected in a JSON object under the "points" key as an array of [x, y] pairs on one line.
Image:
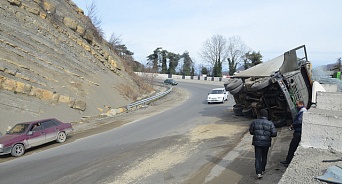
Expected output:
{"points": [[29, 134]]}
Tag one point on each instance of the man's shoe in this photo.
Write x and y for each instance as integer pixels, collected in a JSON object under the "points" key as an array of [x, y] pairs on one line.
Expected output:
{"points": [[284, 162], [259, 176]]}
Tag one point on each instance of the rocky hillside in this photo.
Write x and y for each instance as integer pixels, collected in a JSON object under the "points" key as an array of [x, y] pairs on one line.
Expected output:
{"points": [[54, 64]]}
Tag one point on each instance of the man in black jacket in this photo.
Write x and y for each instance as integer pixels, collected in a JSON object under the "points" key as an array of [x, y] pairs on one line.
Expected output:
{"points": [[262, 131]]}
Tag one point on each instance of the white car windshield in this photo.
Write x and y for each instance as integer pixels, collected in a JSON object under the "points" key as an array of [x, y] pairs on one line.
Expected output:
{"points": [[217, 92]]}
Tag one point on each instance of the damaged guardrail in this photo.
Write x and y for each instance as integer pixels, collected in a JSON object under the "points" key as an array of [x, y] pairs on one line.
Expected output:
{"points": [[149, 99]]}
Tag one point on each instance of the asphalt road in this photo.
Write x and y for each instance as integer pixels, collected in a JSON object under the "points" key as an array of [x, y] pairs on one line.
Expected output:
{"points": [[194, 142]]}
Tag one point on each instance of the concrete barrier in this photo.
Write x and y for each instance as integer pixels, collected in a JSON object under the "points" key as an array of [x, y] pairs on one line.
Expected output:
{"points": [[163, 76], [322, 129], [330, 87], [181, 77], [329, 101], [202, 78], [322, 126]]}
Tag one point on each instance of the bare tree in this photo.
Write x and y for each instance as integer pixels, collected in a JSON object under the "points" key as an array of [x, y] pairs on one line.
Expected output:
{"points": [[92, 13], [214, 52], [114, 40], [236, 52], [116, 44]]}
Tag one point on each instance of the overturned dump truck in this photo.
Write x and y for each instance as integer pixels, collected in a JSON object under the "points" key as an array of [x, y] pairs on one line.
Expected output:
{"points": [[274, 85]]}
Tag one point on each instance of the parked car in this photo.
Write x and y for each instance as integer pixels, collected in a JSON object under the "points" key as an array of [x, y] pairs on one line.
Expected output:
{"points": [[30, 134], [170, 81], [217, 95], [274, 85]]}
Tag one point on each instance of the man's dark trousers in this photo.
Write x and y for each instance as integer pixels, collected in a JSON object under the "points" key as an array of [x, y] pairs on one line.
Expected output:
{"points": [[260, 158], [293, 146]]}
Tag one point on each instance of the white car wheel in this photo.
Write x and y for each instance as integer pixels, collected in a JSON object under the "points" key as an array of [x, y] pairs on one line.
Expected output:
{"points": [[61, 137]]}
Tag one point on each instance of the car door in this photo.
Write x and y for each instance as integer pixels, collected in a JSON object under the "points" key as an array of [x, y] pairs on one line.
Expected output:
{"points": [[36, 135], [50, 130]]}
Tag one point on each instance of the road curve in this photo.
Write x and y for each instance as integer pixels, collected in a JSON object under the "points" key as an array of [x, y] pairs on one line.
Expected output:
{"points": [[184, 144]]}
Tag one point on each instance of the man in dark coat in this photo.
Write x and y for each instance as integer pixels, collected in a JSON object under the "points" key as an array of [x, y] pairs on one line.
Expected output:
{"points": [[297, 134], [262, 131]]}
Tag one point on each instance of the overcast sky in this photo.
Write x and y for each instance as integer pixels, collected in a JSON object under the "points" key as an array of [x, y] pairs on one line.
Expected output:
{"points": [[269, 26]]}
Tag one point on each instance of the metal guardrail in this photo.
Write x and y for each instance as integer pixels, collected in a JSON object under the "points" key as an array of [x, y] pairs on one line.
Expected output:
{"points": [[149, 99]]}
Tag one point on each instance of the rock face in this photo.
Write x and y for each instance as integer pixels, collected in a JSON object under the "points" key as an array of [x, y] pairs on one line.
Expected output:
{"points": [[53, 63]]}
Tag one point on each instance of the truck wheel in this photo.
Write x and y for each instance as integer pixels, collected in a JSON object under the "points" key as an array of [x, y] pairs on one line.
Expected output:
{"points": [[232, 84], [238, 110], [248, 112], [260, 83], [236, 90]]}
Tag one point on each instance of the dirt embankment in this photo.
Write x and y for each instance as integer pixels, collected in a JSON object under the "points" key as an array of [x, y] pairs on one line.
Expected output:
{"points": [[54, 64]]}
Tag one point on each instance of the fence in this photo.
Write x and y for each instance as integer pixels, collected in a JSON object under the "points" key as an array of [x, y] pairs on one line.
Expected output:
{"points": [[149, 99], [165, 76]]}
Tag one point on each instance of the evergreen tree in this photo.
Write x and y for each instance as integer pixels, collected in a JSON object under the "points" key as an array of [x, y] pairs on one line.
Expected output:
{"points": [[163, 55], [215, 68], [173, 62], [219, 70], [192, 73], [252, 59], [204, 70], [338, 65], [187, 64], [154, 59]]}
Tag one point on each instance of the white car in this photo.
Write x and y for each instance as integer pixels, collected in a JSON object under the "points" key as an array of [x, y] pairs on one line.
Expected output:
{"points": [[217, 95]]}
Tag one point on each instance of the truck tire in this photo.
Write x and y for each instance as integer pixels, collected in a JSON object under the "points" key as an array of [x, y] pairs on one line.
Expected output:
{"points": [[248, 111], [238, 110], [232, 84], [237, 89], [260, 83]]}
